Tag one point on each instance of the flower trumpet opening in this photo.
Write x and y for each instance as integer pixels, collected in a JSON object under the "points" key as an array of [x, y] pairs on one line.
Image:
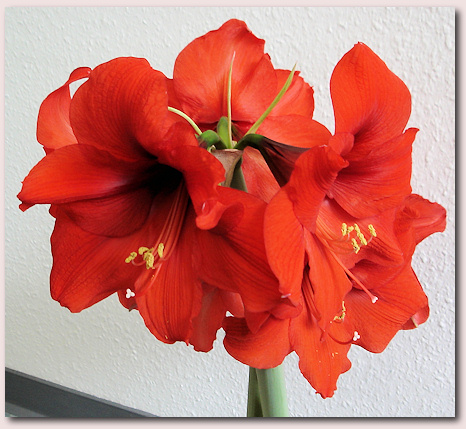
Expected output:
{"points": [[153, 257], [356, 239]]}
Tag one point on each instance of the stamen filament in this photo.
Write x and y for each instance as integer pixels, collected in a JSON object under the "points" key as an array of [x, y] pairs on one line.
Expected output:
{"points": [[352, 276]]}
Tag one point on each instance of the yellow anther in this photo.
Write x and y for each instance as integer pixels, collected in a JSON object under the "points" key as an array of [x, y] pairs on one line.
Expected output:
{"points": [[149, 258], [143, 250], [356, 246], [160, 248], [363, 241], [344, 229], [131, 257], [361, 237]]}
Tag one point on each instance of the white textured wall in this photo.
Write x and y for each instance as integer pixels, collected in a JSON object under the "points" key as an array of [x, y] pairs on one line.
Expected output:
{"points": [[106, 351]]}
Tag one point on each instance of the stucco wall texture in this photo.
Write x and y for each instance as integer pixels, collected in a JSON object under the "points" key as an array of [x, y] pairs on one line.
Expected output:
{"points": [[106, 351]]}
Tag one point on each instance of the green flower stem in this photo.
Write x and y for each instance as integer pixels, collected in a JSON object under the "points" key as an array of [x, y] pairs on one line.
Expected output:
{"points": [[272, 392], [254, 401]]}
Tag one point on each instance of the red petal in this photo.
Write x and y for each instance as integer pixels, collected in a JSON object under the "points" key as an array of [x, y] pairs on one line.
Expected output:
{"points": [[328, 281], [377, 323], [259, 179], [265, 349], [232, 256], [86, 267], [280, 158], [284, 241], [369, 101], [314, 172], [417, 319], [376, 180], [427, 217], [201, 75], [53, 124], [298, 98], [321, 359], [295, 130], [121, 108], [209, 320], [202, 173], [122, 214], [78, 172], [170, 301]]}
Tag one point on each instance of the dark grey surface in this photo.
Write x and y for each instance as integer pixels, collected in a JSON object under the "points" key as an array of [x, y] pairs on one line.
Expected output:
{"points": [[28, 396]]}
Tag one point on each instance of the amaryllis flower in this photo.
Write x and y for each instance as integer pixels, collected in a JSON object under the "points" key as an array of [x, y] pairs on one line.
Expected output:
{"points": [[131, 191], [379, 293], [331, 231]]}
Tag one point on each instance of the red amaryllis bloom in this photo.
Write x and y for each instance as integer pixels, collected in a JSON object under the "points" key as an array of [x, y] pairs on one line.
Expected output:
{"points": [[131, 190], [348, 296], [334, 220]]}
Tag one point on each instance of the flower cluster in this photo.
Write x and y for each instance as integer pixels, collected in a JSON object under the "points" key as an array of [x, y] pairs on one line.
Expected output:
{"points": [[213, 200]]}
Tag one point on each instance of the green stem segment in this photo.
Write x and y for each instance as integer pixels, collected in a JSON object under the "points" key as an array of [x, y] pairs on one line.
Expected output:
{"points": [[254, 400], [267, 393]]}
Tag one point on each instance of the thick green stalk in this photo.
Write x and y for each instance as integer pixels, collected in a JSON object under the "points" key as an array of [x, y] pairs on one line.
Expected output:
{"points": [[272, 392], [254, 400]]}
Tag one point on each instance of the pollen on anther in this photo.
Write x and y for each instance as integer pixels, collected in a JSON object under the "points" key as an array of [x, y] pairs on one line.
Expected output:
{"points": [[355, 245], [356, 336], [344, 229], [160, 249], [131, 257], [372, 230], [150, 259], [142, 250], [361, 237]]}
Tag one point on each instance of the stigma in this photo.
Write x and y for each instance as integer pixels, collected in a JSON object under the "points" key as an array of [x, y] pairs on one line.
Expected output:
{"points": [[357, 239], [341, 317]]}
